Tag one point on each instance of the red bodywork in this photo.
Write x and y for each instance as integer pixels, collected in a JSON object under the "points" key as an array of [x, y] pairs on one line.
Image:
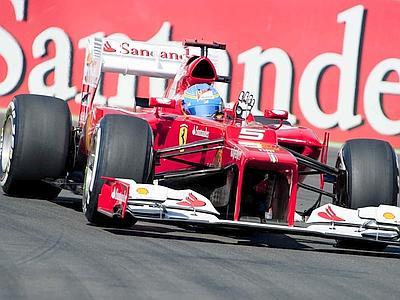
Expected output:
{"points": [[243, 144]]}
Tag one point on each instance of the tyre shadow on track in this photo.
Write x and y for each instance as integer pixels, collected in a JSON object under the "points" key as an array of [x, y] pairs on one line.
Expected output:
{"points": [[232, 237], [209, 235], [251, 239], [283, 242], [69, 202]]}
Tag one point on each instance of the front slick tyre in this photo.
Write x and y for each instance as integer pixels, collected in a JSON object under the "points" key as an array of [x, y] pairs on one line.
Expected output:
{"points": [[122, 147], [372, 173]]}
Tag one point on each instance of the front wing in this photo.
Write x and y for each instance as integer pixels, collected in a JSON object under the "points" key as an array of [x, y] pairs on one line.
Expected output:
{"points": [[154, 202]]}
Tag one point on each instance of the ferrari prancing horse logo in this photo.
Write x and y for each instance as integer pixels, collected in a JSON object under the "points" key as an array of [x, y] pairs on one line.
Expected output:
{"points": [[183, 132]]}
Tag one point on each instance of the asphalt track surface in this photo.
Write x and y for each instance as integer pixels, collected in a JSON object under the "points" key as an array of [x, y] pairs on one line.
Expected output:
{"points": [[49, 251]]}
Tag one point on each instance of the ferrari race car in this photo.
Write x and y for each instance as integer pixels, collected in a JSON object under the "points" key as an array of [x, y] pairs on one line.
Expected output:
{"points": [[189, 158]]}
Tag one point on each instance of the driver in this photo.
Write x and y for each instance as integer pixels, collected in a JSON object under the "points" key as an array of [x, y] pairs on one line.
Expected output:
{"points": [[202, 100]]}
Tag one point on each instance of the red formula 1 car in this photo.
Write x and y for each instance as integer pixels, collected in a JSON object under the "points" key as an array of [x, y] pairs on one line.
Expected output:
{"points": [[185, 157]]}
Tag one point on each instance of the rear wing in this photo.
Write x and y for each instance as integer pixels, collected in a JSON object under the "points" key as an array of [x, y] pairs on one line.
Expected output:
{"points": [[145, 59]]}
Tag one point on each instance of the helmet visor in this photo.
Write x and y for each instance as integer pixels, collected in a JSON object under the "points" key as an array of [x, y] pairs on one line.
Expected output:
{"points": [[205, 110]]}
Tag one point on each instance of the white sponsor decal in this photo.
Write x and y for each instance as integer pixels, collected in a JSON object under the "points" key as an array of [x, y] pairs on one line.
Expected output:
{"points": [[118, 196], [272, 156], [130, 49], [247, 144], [162, 100], [262, 147], [252, 134], [200, 132], [236, 154]]}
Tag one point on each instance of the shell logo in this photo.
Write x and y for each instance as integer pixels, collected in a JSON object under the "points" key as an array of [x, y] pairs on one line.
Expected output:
{"points": [[389, 216], [142, 191]]}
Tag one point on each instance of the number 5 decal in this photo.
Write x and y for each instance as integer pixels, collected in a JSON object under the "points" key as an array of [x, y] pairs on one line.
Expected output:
{"points": [[251, 134]]}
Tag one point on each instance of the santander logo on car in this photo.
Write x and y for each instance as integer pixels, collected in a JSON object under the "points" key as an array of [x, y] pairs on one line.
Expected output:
{"points": [[197, 131]]}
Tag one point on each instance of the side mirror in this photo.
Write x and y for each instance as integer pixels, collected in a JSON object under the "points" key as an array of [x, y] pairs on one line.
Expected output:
{"points": [[276, 114], [162, 102]]}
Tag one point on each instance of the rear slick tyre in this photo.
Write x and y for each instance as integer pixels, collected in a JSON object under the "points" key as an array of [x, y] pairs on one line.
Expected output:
{"points": [[34, 145]]}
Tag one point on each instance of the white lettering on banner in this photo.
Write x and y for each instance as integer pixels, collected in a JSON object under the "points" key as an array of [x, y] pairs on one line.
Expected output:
{"points": [[251, 134], [19, 9], [60, 65], [254, 60], [375, 87], [157, 86], [223, 67], [347, 62], [12, 53], [126, 85]]}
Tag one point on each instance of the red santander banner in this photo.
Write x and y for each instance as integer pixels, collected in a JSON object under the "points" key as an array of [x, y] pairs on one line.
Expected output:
{"points": [[334, 65]]}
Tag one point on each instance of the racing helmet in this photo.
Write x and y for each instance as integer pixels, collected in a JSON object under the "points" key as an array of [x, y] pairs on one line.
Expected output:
{"points": [[202, 100]]}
